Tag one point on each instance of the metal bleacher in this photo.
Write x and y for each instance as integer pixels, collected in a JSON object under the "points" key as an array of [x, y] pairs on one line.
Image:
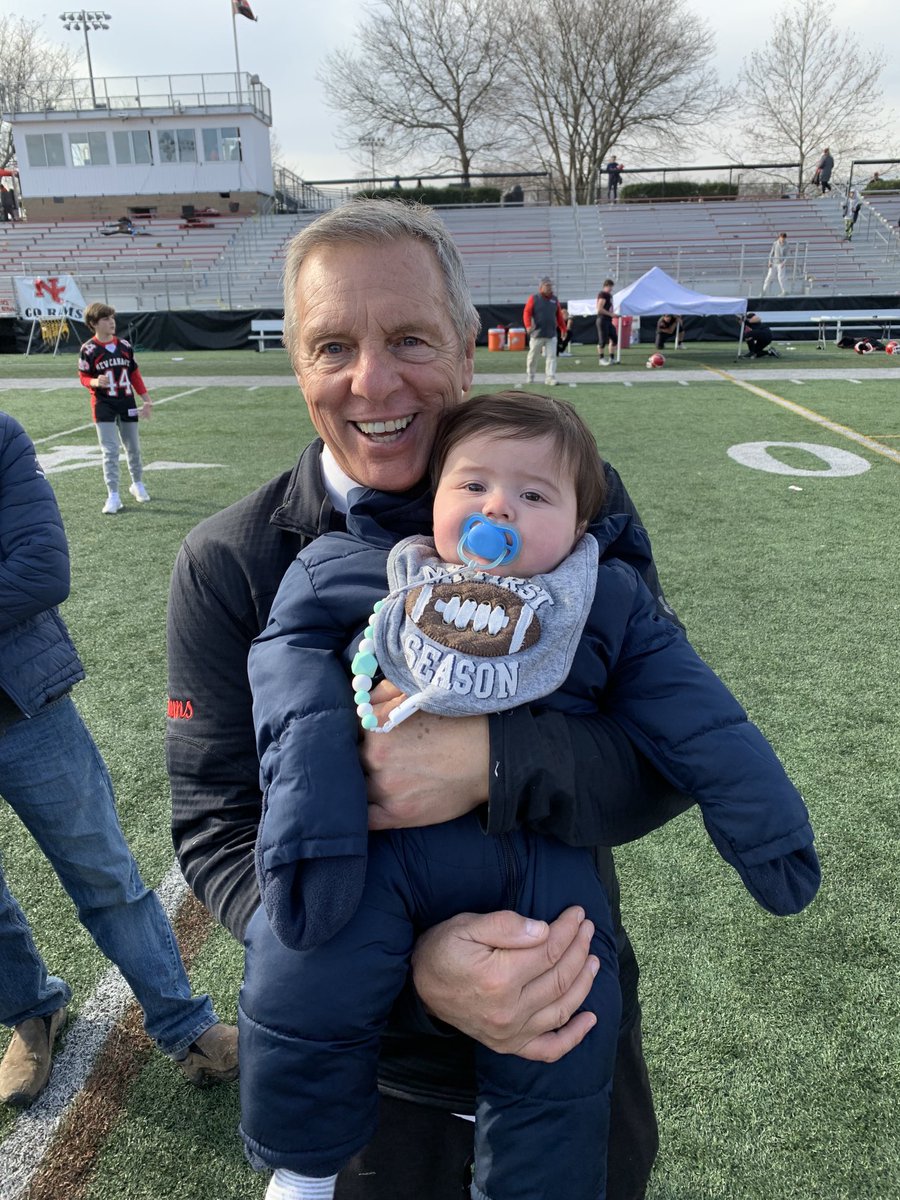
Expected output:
{"points": [[248, 274], [717, 246], [722, 246], [162, 267]]}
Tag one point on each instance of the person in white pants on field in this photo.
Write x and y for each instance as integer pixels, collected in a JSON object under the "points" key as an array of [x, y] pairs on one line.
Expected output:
{"points": [[777, 263], [107, 368]]}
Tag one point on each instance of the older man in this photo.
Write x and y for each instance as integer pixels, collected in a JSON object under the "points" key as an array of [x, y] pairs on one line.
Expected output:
{"points": [[544, 321], [381, 332]]}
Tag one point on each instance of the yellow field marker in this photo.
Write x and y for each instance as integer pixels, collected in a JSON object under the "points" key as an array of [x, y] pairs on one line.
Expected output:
{"points": [[809, 415]]}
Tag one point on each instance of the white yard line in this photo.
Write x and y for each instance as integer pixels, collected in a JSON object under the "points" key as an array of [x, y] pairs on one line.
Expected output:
{"points": [[24, 1148], [809, 415], [614, 375]]}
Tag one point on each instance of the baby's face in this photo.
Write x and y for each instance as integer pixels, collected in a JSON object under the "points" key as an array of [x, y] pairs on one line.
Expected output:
{"points": [[515, 482]]}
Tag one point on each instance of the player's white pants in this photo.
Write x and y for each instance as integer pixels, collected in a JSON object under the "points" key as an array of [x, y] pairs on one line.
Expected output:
{"points": [[108, 434], [774, 269]]}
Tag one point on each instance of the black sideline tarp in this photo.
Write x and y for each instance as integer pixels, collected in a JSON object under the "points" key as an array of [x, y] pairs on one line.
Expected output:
{"points": [[186, 329]]}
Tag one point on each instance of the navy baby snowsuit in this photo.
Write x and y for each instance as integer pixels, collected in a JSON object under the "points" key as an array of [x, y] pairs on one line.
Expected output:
{"points": [[311, 1015]]}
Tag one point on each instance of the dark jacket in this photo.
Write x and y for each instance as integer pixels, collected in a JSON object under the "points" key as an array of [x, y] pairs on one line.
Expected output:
{"points": [[223, 585], [38, 662], [631, 662]]}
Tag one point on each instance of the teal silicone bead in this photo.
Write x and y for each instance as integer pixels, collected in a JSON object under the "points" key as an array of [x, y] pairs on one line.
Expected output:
{"points": [[361, 697], [364, 664], [377, 606], [369, 722], [368, 632]]}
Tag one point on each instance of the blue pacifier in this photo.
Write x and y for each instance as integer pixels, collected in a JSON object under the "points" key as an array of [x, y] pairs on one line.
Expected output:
{"points": [[483, 539]]}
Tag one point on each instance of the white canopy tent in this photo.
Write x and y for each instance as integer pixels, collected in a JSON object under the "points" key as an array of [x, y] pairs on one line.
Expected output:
{"points": [[656, 293]]}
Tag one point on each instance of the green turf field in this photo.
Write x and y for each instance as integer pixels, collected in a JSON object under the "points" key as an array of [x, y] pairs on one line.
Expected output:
{"points": [[774, 1046]]}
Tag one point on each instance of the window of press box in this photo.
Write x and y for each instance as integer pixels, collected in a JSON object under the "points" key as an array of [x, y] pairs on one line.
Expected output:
{"points": [[177, 145], [45, 150], [222, 145], [132, 146], [89, 149]]}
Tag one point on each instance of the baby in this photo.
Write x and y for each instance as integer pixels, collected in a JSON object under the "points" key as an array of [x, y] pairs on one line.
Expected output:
{"points": [[518, 482]]}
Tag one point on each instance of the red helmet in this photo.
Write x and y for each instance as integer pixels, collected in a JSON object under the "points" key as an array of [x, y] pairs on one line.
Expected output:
{"points": [[656, 360]]}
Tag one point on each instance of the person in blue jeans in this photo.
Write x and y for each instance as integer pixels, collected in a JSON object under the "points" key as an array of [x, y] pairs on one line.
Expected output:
{"points": [[53, 777]]}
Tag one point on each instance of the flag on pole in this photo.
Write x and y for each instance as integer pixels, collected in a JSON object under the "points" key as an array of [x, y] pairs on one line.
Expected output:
{"points": [[242, 9]]}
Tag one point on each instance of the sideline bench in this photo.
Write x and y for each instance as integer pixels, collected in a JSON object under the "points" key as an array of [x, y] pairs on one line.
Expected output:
{"points": [[263, 331], [884, 320]]}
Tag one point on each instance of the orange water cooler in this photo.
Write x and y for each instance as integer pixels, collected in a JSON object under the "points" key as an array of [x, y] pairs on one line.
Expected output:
{"points": [[496, 339], [517, 339]]}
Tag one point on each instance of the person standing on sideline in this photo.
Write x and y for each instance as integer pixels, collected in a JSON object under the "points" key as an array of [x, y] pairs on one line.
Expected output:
{"points": [[562, 341], [53, 778], [381, 331], [606, 330], [824, 167], [108, 369], [543, 319], [777, 263]]}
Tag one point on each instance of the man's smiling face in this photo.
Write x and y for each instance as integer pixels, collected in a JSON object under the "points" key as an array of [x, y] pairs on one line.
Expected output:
{"points": [[377, 357]]}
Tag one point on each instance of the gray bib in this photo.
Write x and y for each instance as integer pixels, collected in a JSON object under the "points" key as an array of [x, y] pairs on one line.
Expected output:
{"points": [[464, 642]]}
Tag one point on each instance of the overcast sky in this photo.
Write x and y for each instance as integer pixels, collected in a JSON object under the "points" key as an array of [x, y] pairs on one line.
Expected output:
{"points": [[289, 39]]}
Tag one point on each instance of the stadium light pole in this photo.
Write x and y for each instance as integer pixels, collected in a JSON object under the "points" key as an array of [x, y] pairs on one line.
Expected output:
{"points": [[86, 20], [372, 143]]}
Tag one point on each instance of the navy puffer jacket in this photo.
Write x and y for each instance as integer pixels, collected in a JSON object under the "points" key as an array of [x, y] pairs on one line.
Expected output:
{"points": [[38, 661], [632, 663]]}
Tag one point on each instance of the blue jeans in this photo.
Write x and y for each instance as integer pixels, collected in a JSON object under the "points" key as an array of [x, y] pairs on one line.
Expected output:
{"points": [[53, 777]]}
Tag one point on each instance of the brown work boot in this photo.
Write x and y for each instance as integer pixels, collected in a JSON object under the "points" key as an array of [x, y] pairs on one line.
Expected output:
{"points": [[25, 1070], [213, 1058]]}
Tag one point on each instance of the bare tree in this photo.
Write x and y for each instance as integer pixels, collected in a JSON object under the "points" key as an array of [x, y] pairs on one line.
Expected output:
{"points": [[812, 85], [423, 81], [30, 68], [595, 75]]}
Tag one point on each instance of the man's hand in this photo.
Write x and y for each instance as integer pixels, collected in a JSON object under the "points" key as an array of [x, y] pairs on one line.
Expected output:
{"points": [[147, 408], [426, 771], [511, 983]]}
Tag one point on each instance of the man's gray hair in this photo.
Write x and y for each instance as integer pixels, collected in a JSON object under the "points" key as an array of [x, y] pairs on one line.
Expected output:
{"points": [[377, 222]]}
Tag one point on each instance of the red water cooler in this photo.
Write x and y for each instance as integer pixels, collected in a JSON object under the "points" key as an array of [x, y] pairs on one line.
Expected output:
{"points": [[623, 326]]}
